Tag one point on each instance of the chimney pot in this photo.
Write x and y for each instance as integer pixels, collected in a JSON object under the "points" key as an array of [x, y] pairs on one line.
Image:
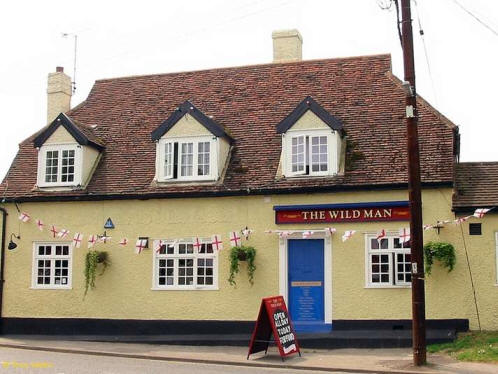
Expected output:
{"points": [[287, 45], [59, 69]]}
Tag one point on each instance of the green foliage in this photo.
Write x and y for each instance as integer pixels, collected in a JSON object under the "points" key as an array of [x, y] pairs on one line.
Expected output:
{"points": [[93, 258], [443, 252], [473, 346], [242, 253]]}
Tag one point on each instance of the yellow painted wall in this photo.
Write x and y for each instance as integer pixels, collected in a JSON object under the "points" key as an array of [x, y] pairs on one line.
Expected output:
{"points": [[187, 126], [308, 121], [60, 136], [124, 291], [90, 157]]}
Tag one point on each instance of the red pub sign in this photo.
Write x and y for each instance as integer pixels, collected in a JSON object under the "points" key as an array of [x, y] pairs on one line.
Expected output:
{"points": [[337, 213]]}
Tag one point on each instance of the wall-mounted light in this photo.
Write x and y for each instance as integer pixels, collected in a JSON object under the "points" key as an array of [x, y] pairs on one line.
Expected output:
{"points": [[13, 245]]}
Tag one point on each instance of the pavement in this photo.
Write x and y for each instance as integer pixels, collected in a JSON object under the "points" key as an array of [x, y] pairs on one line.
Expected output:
{"points": [[378, 360]]}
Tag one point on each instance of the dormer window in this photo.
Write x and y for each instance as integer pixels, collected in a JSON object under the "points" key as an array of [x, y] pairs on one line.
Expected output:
{"points": [[60, 165], [311, 141], [187, 158], [190, 146], [67, 154]]}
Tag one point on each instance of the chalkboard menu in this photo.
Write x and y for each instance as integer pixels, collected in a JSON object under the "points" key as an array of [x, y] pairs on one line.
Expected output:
{"points": [[273, 318]]}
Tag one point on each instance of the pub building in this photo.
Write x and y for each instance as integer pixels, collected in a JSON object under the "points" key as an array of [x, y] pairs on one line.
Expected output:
{"points": [[304, 160]]}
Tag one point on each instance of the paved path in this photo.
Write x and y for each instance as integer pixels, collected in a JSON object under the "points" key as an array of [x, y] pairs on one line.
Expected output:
{"points": [[343, 360]]}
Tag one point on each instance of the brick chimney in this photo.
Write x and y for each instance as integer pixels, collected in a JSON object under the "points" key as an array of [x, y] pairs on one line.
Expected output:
{"points": [[287, 45], [59, 91]]}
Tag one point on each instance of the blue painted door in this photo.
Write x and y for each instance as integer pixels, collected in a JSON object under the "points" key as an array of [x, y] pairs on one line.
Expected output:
{"points": [[306, 285]]}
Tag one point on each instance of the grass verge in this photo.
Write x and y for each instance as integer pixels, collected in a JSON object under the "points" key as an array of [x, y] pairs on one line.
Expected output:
{"points": [[472, 346]]}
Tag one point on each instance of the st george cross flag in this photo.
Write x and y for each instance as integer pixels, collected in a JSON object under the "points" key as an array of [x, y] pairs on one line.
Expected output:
{"points": [[247, 232], [284, 234], [216, 242], [479, 213], [77, 240], [140, 245], [329, 231], [427, 227], [197, 244], [63, 233], [24, 217], [103, 239], [381, 234], [461, 220], [92, 239], [404, 234], [307, 234], [158, 244], [54, 231], [40, 224], [123, 242], [348, 234], [235, 239]]}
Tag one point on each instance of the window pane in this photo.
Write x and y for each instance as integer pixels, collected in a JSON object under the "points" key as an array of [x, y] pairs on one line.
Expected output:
{"points": [[67, 171], [168, 160], [319, 153], [51, 166], [297, 154], [203, 158], [187, 158]]}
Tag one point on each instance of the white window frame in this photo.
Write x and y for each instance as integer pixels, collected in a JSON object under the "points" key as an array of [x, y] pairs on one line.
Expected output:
{"points": [[162, 176], [78, 162], [176, 256], [52, 258], [332, 159], [392, 253]]}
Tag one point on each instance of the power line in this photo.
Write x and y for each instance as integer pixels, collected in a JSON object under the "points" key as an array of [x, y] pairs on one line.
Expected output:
{"points": [[476, 18]]}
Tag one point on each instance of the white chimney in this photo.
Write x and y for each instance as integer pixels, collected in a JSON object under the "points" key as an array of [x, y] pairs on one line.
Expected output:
{"points": [[287, 45], [59, 91]]}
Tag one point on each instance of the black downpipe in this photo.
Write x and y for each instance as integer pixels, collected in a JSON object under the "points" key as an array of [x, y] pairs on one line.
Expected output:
{"points": [[2, 265]]}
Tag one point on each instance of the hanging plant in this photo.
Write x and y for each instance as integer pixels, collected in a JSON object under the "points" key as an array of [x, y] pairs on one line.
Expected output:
{"points": [[242, 253], [443, 252], [92, 260]]}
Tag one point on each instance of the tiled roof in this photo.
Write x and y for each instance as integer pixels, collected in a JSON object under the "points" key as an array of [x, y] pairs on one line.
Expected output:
{"points": [[476, 185], [249, 102]]}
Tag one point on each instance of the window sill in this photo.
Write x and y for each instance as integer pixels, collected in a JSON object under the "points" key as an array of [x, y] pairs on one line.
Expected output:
{"points": [[185, 289], [386, 286], [51, 288], [306, 176]]}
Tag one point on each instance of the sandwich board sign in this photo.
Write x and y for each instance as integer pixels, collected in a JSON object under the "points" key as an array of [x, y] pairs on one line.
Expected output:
{"points": [[273, 318]]}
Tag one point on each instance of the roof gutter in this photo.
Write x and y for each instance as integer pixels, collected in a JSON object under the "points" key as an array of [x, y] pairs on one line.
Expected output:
{"points": [[2, 265]]}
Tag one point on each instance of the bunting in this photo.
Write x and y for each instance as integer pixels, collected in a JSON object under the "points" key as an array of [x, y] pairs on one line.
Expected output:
{"points": [[24, 217], [307, 234], [40, 224], [123, 242], [92, 239], [381, 234], [63, 233], [479, 213], [77, 239], [348, 235], [140, 245], [216, 242], [235, 239], [404, 234]]}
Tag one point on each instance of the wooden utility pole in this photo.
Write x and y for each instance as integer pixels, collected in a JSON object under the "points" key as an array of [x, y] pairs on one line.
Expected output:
{"points": [[417, 257]]}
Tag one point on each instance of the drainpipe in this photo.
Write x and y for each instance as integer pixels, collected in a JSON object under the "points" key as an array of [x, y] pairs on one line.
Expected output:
{"points": [[2, 264]]}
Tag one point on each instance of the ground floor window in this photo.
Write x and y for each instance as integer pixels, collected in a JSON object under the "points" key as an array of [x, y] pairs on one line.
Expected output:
{"points": [[388, 261], [185, 265], [52, 265]]}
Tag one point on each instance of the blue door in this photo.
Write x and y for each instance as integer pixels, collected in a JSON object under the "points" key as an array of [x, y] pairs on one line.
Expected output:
{"points": [[306, 285]]}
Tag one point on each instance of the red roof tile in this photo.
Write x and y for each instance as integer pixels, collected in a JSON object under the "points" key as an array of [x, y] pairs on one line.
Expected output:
{"points": [[476, 185], [249, 102]]}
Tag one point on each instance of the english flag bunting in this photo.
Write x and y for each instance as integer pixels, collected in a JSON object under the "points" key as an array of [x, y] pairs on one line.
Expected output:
{"points": [[63, 233], [284, 234], [103, 239], [329, 231], [307, 234], [247, 232], [348, 234], [92, 239], [427, 227], [123, 242], [404, 234], [24, 217], [216, 242], [54, 231], [77, 240], [479, 213], [140, 245], [235, 238], [40, 224], [381, 234], [197, 245], [461, 220], [158, 245]]}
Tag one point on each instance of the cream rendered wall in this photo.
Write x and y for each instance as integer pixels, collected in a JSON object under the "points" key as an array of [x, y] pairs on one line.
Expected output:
{"points": [[308, 121], [187, 126], [90, 159], [124, 291], [60, 136]]}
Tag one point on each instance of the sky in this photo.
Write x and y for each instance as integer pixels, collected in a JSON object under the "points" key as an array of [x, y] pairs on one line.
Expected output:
{"points": [[457, 75]]}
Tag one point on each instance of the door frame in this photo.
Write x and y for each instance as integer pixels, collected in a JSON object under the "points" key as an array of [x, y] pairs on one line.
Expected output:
{"points": [[283, 262]]}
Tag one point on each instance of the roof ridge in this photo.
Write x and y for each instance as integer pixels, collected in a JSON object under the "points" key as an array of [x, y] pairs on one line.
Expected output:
{"points": [[362, 57]]}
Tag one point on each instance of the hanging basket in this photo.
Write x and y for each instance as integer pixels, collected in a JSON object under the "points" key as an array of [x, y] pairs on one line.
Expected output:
{"points": [[241, 255]]}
